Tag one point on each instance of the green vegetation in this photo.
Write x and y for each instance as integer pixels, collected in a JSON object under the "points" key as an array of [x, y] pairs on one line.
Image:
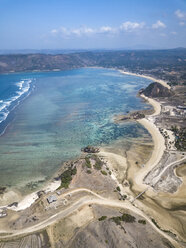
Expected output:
{"points": [[98, 163], [66, 177], [155, 223], [158, 63], [104, 173], [97, 166], [87, 162], [117, 220], [167, 231], [89, 171], [180, 134], [127, 218], [142, 222], [123, 197], [118, 188], [102, 218]]}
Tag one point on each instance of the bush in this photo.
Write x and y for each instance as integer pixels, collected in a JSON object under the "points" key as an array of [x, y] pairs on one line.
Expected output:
{"points": [[125, 218], [118, 188], [102, 218], [98, 164], [66, 177], [142, 222], [104, 173], [128, 218], [87, 162], [117, 220], [89, 171], [155, 223]]}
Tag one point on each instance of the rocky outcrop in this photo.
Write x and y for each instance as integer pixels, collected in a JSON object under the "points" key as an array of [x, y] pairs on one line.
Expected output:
{"points": [[14, 204], [90, 149], [156, 90], [2, 190]]}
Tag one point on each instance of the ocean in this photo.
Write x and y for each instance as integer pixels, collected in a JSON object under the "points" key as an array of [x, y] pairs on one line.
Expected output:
{"points": [[47, 117]]}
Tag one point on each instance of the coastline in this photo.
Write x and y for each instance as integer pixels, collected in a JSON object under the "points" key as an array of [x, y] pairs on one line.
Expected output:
{"points": [[147, 77], [121, 161], [28, 200], [158, 141], [157, 152]]}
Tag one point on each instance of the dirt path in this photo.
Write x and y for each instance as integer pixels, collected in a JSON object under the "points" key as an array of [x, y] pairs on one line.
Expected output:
{"points": [[80, 203]]}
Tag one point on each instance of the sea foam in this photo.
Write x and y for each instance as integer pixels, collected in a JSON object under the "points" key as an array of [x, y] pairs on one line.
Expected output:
{"points": [[7, 105]]}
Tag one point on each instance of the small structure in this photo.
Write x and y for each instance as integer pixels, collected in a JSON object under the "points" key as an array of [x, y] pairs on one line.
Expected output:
{"points": [[51, 198], [181, 107]]}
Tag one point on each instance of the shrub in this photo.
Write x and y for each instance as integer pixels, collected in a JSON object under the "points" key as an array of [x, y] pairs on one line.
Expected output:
{"points": [[66, 177], [155, 223], [98, 163], [128, 218], [87, 162], [104, 173], [142, 222], [118, 188], [117, 220], [102, 218]]}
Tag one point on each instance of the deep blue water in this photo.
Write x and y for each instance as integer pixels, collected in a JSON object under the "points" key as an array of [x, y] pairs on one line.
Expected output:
{"points": [[64, 112]]}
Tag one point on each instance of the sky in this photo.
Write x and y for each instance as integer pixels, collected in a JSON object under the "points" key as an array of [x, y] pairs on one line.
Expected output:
{"points": [[92, 24]]}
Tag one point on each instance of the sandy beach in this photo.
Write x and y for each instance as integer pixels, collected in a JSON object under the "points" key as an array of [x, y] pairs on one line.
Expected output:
{"points": [[148, 77], [28, 200], [159, 147]]}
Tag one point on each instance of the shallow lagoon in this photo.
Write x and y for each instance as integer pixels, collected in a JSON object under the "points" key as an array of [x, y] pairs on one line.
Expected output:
{"points": [[65, 112]]}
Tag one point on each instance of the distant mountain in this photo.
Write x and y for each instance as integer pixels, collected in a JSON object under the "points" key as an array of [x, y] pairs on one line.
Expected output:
{"points": [[40, 51], [168, 64], [48, 51], [69, 51]]}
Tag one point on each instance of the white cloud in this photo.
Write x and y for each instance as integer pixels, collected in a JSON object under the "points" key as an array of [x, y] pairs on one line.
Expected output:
{"points": [[130, 26], [82, 31], [126, 26], [107, 29], [173, 32], [77, 32], [181, 23], [54, 31], [181, 15], [158, 24]]}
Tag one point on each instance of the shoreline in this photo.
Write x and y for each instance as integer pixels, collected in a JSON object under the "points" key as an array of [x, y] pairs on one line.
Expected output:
{"points": [[29, 199], [162, 82]]}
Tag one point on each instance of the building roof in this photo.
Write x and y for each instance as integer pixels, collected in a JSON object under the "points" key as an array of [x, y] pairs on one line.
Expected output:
{"points": [[51, 198]]}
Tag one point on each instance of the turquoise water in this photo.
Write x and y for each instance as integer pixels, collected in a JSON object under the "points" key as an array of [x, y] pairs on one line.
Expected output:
{"points": [[65, 112]]}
